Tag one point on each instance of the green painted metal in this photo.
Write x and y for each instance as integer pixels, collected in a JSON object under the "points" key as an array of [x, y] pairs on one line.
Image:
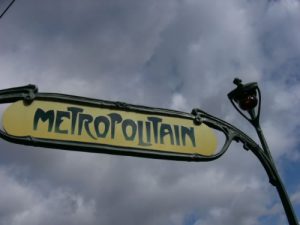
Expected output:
{"points": [[30, 93], [253, 117]]}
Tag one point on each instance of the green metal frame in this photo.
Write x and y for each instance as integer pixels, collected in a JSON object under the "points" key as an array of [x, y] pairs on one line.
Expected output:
{"points": [[30, 93], [267, 160]]}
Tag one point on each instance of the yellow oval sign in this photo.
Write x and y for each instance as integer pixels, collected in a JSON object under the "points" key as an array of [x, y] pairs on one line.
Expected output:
{"points": [[110, 127]]}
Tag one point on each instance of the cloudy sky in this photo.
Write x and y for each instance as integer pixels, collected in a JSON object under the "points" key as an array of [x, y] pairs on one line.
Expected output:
{"points": [[177, 54]]}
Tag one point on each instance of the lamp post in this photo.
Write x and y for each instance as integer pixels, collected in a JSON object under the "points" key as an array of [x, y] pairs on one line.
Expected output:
{"points": [[246, 99]]}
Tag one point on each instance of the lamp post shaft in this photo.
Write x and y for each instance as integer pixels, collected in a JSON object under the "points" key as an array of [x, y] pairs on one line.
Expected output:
{"points": [[288, 208], [246, 97]]}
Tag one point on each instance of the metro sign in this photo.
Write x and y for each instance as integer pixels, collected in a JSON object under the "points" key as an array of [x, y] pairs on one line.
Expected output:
{"points": [[110, 127], [82, 124]]}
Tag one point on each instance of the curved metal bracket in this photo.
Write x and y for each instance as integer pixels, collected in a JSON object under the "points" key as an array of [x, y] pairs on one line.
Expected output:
{"points": [[26, 93], [30, 92], [234, 134]]}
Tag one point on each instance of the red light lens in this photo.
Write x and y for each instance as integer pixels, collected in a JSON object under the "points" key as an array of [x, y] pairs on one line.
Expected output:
{"points": [[248, 103]]}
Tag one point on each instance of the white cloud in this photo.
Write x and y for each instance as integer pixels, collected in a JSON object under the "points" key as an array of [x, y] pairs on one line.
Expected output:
{"points": [[178, 102], [23, 203], [177, 54]]}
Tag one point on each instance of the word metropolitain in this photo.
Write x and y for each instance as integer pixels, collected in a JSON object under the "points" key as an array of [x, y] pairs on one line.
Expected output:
{"points": [[48, 121], [151, 130]]}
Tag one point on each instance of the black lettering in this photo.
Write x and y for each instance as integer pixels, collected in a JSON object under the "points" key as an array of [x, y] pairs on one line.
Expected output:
{"points": [[59, 119], [148, 131], [176, 129], [129, 123], [115, 119], [74, 112], [106, 123], [188, 132], [140, 131], [165, 129], [44, 116], [86, 119], [155, 121]]}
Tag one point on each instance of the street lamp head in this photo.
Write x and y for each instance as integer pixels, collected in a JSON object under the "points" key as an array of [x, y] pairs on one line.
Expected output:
{"points": [[245, 97]]}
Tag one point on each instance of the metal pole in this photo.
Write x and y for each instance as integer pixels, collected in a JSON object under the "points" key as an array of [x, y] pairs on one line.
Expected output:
{"points": [[245, 98], [288, 208]]}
